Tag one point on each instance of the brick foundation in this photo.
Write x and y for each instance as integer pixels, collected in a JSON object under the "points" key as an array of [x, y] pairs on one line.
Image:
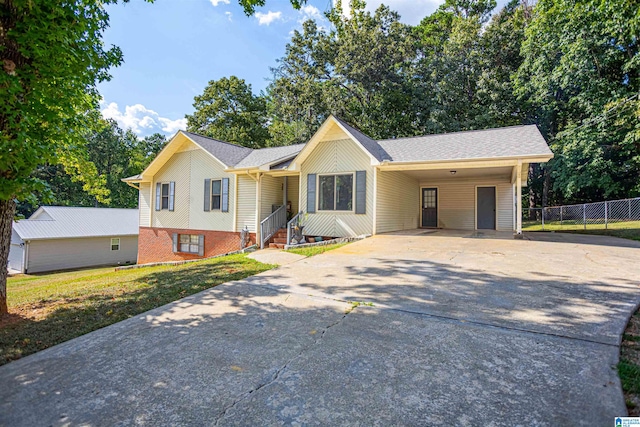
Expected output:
{"points": [[156, 244]]}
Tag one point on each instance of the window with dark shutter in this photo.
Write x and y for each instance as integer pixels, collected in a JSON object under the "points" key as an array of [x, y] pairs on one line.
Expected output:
{"points": [[361, 192], [216, 194], [311, 193]]}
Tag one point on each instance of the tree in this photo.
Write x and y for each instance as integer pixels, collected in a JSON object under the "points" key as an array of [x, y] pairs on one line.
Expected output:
{"points": [[48, 90], [115, 153], [229, 111], [580, 73], [360, 70]]}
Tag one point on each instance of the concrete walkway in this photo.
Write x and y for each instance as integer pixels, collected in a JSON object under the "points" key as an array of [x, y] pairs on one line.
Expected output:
{"points": [[275, 256], [465, 329]]}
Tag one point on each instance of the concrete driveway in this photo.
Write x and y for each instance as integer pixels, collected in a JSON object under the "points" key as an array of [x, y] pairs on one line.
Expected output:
{"points": [[465, 329]]}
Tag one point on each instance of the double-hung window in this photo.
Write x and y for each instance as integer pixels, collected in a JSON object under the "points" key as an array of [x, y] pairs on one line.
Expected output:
{"points": [[216, 194], [115, 244], [335, 192], [165, 195]]}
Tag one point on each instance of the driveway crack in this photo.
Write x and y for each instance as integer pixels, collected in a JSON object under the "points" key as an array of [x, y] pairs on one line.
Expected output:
{"points": [[274, 377]]}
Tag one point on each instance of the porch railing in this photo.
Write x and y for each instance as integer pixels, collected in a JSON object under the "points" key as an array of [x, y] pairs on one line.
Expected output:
{"points": [[293, 222], [271, 224]]}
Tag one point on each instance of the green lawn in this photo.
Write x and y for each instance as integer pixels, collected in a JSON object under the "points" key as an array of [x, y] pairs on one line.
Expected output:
{"points": [[52, 308], [625, 229], [577, 225], [315, 250]]}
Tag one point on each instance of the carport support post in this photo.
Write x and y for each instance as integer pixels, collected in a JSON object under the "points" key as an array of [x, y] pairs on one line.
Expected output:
{"points": [[519, 201]]}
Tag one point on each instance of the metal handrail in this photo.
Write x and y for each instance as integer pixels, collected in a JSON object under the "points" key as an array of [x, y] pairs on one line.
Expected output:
{"points": [[271, 224], [296, 218]]}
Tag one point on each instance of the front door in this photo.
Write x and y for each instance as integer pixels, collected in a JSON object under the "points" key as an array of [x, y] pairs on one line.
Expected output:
{"points": [[430, 207], [486, 208]]}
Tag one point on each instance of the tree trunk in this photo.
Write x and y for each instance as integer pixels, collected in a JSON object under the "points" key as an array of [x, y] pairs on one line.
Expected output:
{"points": [[7, 211]]}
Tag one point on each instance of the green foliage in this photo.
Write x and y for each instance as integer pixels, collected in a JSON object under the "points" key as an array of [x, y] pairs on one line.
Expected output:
{"points": [[229, 111], [47, 86], [115, 154], [359, 70], [580, 61]]}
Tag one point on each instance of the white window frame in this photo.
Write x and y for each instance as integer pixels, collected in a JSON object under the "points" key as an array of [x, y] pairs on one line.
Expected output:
{"points": [[162, 196], [190, 244], [211, 208], [335, 193], [114, 244]]}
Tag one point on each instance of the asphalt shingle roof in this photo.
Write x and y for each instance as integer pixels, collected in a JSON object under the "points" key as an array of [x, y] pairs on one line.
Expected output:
{"points": [[372, 146], [265, 156], [514, 141], [67, 222], [227, 153]]}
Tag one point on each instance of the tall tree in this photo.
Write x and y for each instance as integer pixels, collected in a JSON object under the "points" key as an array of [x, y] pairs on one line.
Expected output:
{"points": [[359, 70], [580, 73], [47, 86], [229, 111], [115, 153]]}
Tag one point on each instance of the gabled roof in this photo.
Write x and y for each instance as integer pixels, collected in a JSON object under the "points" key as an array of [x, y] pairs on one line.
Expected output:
{"points": [[268, 156], [57, 222], [372, 146], [225, 152], [507, 142]]}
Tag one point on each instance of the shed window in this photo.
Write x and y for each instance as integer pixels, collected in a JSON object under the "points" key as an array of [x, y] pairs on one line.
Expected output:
{"points": [[335, 192], [190, 243], [216, 194], [115, 244]]}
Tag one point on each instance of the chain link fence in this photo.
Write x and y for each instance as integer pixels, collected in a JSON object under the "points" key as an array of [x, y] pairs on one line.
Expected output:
{"points": [[613, 214]]}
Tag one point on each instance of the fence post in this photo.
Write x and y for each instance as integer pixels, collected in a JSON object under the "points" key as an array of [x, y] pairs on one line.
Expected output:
{"points": [[561, 209], [542, 219], [629, 209], [606, 215], [584, 215]]}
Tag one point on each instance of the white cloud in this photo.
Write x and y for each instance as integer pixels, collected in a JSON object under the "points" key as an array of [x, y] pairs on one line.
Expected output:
{"points": [[141, 120], [411, 11], [229, 16], [268, 18], [310, 12], [217, 2]]}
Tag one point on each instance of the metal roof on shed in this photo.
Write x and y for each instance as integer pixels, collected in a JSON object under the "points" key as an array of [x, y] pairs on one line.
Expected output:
{"points": [[73, 222]]}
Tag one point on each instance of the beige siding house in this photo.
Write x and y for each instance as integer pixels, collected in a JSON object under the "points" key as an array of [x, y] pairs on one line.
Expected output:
{"points": [[200, 197], [61, 238]]}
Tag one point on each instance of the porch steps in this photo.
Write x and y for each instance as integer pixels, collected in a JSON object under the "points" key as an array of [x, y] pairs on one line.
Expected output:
{"points": [[278, 240]]}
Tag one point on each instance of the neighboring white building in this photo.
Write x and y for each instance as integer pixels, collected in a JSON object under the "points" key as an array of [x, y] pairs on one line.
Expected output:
{"points": [[60, 237]]}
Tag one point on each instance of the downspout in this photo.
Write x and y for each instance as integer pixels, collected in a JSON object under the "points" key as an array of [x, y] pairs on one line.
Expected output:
{"points": [[25, 257], [258, 205]]}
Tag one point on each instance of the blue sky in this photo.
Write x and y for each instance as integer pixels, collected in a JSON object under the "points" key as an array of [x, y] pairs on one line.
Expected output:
{"points": [[172, 49]]}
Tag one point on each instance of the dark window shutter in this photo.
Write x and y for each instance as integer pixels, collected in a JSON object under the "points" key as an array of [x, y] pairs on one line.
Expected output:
{"points": [[225, 194], [158, 195], [175, 242], [207, 195], [311, 193], [361, 192], [172, 192], [201, 245]]}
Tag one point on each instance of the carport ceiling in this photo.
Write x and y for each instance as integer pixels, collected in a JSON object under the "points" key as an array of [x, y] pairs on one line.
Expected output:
{"points": [[445, 174]]}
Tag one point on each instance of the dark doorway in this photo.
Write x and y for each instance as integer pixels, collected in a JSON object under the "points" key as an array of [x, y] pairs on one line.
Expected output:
{"points": [[486, 208], [430, 207]]}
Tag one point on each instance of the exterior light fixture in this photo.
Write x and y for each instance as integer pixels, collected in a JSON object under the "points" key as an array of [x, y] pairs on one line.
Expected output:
{"points": [[452, 172]]}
